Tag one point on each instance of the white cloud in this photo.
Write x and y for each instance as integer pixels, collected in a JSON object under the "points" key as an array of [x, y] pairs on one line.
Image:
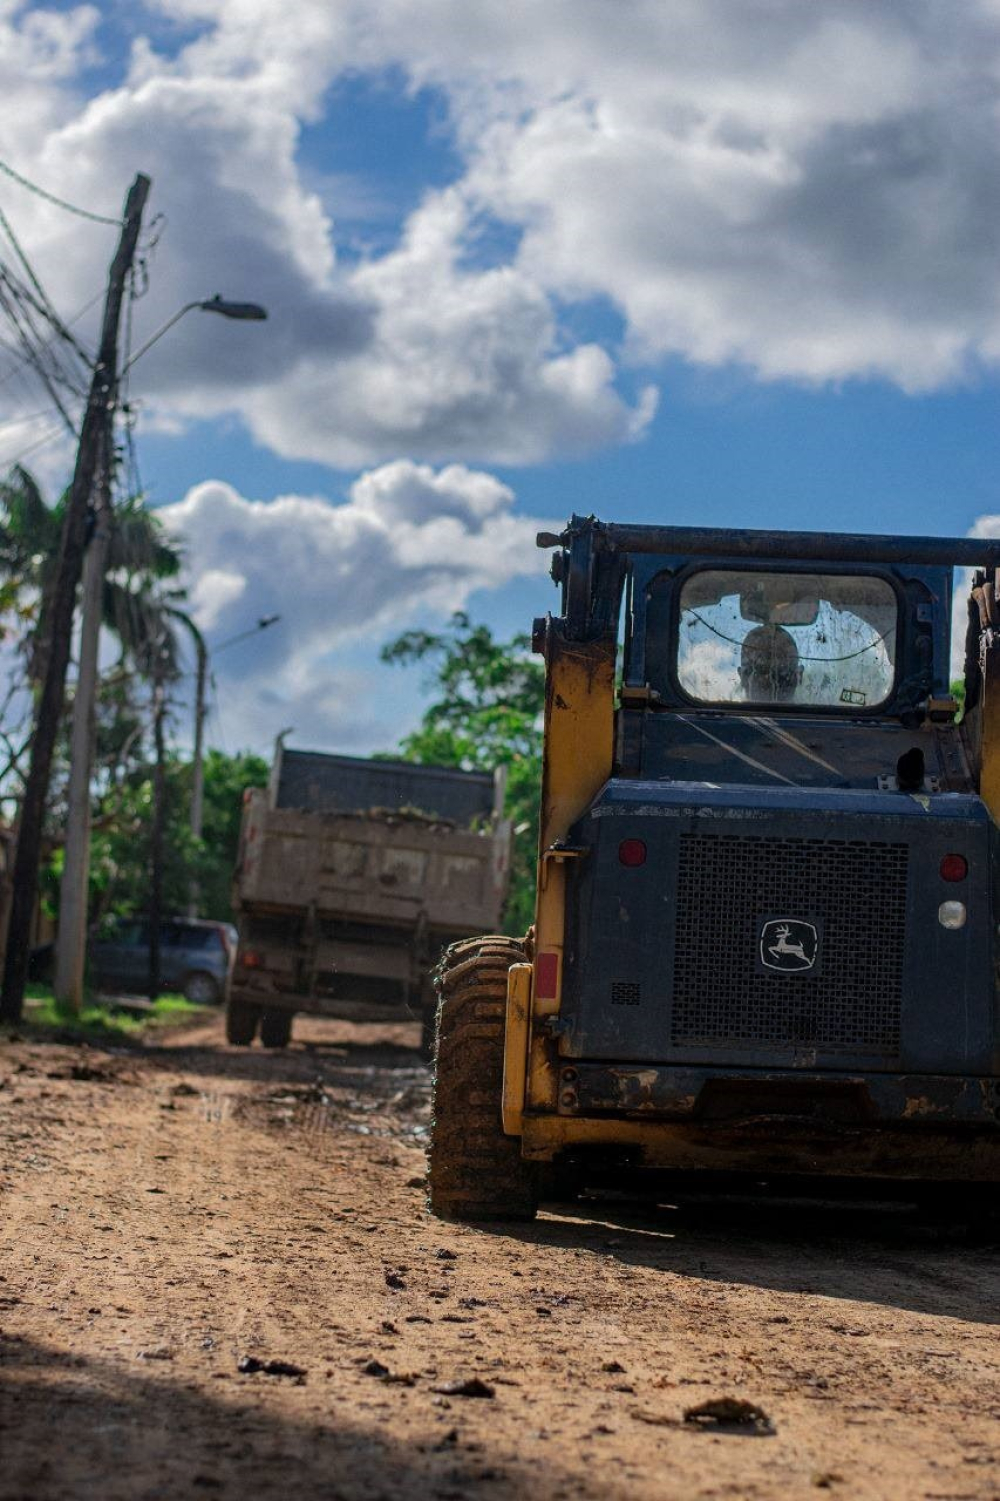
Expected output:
{"points": [[805, 190], [460, 363], [409, 542], [414, 352], [213, 591]]}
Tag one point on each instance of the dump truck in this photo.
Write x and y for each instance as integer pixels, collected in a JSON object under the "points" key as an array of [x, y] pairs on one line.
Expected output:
{"points": [[352, 876], [766, 931]]}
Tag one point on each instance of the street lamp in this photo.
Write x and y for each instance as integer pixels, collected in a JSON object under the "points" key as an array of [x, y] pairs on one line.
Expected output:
{"points": [[71, 936], [240, 312]]}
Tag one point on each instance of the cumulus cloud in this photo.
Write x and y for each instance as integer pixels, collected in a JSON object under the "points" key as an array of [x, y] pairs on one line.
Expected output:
{"points": [[413, 352], [408, 542], [808, 191], [461, 362]]}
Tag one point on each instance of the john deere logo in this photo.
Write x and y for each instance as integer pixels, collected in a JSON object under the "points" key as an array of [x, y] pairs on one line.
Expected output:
{"points": [[788, 944]]}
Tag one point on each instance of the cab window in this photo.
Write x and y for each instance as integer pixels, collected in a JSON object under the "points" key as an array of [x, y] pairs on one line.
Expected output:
{"points": [[810, 639]]}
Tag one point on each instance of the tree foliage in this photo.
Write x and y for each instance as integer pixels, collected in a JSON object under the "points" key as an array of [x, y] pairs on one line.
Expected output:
{"points": [[139, 609], [122, 836], [486, 712]]}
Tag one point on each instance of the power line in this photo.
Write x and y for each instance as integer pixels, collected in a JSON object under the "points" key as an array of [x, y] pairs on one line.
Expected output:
{"points": [[46, 308], [30, 307], [71, 208], [21, 323], [23, 359], [27, 302]]}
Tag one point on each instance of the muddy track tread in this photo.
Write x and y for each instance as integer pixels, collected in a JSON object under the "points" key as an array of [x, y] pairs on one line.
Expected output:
{"points": [[476, 1172], [488, 969]]}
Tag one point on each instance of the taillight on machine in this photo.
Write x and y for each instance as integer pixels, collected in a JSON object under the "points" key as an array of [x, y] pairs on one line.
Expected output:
{"points": [[632, 852], [546, 975], [954, 868]]}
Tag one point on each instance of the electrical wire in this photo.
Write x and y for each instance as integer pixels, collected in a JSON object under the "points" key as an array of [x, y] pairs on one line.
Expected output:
{"points": [[23, 359], [30, 309], [27, 306], [45, 306], [71, 208], [23, 328]]}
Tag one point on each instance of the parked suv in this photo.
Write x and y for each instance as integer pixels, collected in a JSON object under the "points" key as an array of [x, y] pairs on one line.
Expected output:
{"points": [[195, 956]]}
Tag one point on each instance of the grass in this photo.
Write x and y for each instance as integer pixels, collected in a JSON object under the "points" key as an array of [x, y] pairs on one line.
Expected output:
{"points": [[103, 1020]]}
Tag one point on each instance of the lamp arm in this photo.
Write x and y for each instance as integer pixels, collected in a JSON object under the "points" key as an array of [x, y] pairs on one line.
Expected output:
{"points": [[159, 334]]}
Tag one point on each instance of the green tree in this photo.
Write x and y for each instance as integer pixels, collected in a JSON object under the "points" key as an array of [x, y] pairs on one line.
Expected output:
{"points": [[122, 833], [226, 780], [29, 549], [487, 712], [140, 558]]}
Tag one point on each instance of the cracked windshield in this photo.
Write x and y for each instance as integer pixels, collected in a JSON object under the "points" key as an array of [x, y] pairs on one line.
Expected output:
{"points": [[811, 639]]}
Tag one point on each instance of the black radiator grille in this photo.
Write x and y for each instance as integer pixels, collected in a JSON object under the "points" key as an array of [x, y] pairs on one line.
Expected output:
{"points": [[854, 890]]}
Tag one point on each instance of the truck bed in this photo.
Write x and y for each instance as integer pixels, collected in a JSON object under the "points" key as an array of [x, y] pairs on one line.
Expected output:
{"points": [[379, 868]]}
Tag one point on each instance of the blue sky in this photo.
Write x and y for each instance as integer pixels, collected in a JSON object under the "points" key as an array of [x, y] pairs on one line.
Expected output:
{"points": [[659, 262]]}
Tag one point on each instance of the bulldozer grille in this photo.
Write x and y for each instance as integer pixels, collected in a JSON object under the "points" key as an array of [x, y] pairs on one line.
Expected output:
{"points": [[854, 890]]}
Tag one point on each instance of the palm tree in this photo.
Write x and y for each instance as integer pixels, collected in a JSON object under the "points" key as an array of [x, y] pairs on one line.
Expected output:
{"points": [[29, 547], [138, 606], [141, 558]]}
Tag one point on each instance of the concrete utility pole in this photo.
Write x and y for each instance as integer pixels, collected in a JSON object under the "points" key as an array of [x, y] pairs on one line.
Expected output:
{"points": [[71, 936], [198, 769], [159, 827], [94, 443]]}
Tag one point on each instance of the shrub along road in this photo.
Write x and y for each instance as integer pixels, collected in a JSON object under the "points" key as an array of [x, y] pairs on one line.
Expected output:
{"points": [[218, 1278]]}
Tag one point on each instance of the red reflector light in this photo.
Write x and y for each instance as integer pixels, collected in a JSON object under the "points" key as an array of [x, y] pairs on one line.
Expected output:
{"points": [[251, 960], [632, 852], [546, 976], [954, 868]]}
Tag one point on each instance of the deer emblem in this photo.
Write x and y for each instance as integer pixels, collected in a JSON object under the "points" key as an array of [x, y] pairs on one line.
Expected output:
{"points": [[788, 944], [784, 947]]}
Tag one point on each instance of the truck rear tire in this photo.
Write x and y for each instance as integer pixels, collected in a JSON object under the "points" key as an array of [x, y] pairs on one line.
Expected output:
{"points": [[241, 1023], [276, 1029], [476, 1172]]}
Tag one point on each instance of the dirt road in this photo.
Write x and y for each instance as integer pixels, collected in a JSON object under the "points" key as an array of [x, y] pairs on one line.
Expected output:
{"points": [[175, 1208]]}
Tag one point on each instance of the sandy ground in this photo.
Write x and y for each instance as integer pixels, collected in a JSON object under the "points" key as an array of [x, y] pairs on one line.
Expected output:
{"points": [[173, 1208]]}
